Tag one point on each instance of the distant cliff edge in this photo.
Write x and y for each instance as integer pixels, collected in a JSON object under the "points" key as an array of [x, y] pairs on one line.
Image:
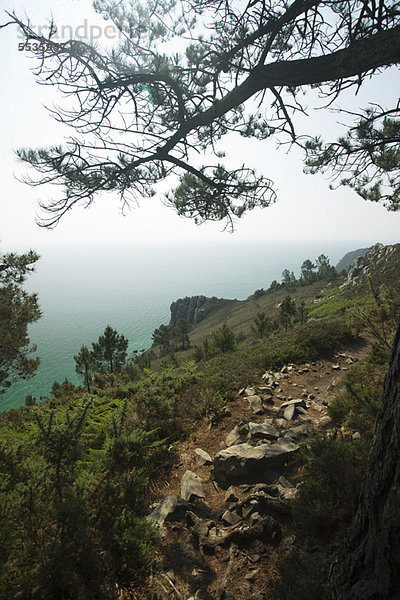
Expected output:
{"points": [[345, 262], [194, 308]]}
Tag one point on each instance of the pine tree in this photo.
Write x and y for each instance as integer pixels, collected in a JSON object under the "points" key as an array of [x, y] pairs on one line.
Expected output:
{"points": [[263, 325], [85, 365], [287, 310], [18, 309], [109, 352], [224, 339]]}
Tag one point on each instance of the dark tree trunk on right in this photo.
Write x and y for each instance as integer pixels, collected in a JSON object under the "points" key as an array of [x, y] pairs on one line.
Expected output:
{"points": [[368, 567]]}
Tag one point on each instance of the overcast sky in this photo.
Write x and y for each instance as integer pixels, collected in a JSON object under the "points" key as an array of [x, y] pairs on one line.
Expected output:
{"points": [[306, 208]]}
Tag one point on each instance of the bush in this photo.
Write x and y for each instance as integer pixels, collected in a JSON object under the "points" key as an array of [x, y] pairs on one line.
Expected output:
{"points": [[359, 395], [326, 500], [73, 520], [308, 342], [223, 340]]}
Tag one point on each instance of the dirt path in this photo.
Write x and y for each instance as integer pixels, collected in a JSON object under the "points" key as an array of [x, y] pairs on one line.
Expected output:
{"points": [[187, 563]]}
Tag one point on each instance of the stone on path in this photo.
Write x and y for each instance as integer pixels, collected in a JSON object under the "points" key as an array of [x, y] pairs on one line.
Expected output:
{"points": [[256, 405], [234, 437], [191, 487], [203, 457], [243, 462], [289, 411], [260, 431], [171, 508]]}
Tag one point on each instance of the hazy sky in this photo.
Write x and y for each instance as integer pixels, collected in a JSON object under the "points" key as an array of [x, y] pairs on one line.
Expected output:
{"points": [[306, 208]]}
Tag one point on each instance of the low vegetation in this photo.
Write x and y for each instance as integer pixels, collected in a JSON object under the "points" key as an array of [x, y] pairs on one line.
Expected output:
{"points": [[78, 469]]}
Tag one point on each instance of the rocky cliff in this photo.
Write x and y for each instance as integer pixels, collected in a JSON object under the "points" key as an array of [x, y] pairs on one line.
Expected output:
{"points": [[381, 262], [189, 308], [194, 308]]}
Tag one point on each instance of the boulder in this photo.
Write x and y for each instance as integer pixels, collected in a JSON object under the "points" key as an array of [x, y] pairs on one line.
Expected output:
{"points": [[203, 457], [191, 487], [262, 431], [243, 462], [268, 378], [289, 412], [299, 431], [265, 390], [171, 508], [231, 517], [249, 392], [234, 437], [256, 405], [296, 402]]}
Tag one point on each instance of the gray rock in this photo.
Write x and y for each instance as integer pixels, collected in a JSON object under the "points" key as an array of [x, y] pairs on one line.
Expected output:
{"points": [[230, 495], [290, 436], [191, 487], [203, 457], [171, 508], [306, 419], [265, 390], [256, 405], [289, 412], [262, 431], [268, 378], [243, 461], [231, 517], [243, 427], [296, 402], [250, 392], [300, 430], [234, 437]]}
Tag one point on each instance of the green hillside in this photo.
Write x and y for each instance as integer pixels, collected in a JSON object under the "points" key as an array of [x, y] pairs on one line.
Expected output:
{"points": [[79, 472]]}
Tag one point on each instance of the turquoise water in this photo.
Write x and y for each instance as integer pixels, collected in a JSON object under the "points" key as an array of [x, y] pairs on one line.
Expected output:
{"points": [[81, 290]]}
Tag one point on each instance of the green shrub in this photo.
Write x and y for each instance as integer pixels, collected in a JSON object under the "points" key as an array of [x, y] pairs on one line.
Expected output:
{"points": [[73, 521], [359, 395], [333, 467], [308, 342], [223, 340]]}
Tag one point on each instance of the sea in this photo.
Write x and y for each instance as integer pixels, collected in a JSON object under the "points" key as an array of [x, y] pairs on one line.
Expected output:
{"points": [[83, 289]]}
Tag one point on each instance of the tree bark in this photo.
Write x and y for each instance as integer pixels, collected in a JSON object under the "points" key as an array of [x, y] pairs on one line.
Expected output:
{"points": [[368, 567]]}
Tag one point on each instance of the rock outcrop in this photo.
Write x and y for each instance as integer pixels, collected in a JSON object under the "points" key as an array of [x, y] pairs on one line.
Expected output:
{"points": [[243, 462], [379, 261], [188, 308], [345, 262]]}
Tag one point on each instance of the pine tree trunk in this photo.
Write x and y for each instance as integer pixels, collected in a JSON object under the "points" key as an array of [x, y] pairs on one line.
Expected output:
{"points": [[368, 567]]}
